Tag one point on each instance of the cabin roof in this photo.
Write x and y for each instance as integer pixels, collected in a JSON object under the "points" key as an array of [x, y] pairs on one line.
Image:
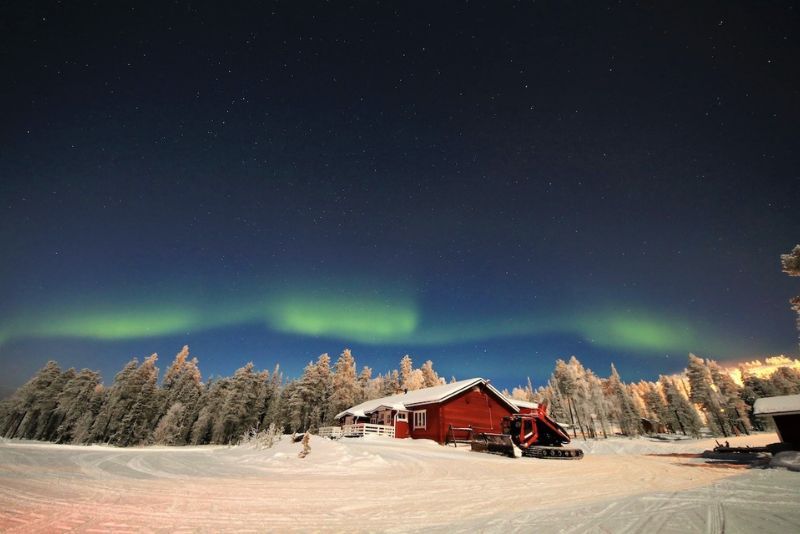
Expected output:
{"points": [[782, 405], [524, 404], [405, 401]]}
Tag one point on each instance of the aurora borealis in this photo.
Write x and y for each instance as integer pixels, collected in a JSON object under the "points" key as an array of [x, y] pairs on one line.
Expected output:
{"points": [[488, 186]]}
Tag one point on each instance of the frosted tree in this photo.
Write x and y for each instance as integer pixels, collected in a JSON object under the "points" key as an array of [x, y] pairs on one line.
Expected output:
{"points": [[170, 429], [625, 410], [406, 368], [346, 389], [429, 376], [116, 403], [565, 379], [415, 381], [211, 402], [786, 381], [367, 387], [681, 414], [82, 430], [704, 394], [307, 403], [391, 383], [754, 388], [75, 402], [556, 403], [790, 264], [585, 410], [525, 393], [598, 401], [30, 407], [290, 410], [273, 412], [182, 384], [238, 412], [653, 401], [142, 407], [734, 408]]}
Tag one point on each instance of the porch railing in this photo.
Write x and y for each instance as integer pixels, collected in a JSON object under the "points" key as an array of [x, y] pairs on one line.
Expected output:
{"points": [[356, 430], [332, 432]]}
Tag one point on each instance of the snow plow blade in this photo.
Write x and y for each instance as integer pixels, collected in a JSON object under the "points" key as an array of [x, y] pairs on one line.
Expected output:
{"points": [[494, 444]]}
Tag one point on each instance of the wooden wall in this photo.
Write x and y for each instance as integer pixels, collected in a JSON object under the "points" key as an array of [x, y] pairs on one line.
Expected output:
{"points": [[476, 407]]}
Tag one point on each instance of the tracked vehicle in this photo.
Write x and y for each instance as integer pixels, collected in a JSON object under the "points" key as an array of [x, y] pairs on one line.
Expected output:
{"points": [[534, 435]]}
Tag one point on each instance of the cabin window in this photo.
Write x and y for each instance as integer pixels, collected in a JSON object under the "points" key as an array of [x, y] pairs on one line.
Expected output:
{"points": [[421, 419], [402, 416]]}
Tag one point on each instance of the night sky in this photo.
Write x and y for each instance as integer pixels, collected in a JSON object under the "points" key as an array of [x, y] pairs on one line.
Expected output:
{"points": [[488, 185]]}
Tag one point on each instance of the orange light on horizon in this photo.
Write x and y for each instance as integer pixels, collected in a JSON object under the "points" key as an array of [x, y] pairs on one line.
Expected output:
{"points": [[761, 369]]}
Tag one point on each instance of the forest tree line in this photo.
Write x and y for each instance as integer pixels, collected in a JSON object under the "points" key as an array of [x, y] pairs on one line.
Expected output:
{"points": [[75, 407], [705, 396]]}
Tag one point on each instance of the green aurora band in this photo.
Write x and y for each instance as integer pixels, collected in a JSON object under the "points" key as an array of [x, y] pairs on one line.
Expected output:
{"points": [[360, 318]]}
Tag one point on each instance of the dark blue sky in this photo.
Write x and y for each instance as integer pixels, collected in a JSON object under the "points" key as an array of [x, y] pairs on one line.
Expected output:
{"points": [[488, 185]]}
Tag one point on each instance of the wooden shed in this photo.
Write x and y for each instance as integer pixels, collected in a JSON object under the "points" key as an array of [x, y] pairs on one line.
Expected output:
{"points": [[785, 411], [430, 413]]}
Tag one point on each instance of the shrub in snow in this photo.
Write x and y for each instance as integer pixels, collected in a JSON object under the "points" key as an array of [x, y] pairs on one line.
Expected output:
{"points": [[260, 439]]}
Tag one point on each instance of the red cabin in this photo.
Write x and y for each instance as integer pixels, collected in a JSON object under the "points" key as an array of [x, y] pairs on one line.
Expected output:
{"points": [[437, 412]]}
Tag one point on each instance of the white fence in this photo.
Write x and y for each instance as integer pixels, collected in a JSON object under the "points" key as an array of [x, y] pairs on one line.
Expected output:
{"points": [[360, 429], [333, 432]]}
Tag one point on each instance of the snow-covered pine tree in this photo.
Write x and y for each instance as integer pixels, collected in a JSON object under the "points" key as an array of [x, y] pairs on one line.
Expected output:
{"points": [[74, 404], [26, 407], [211, 402], [182, 384], [735, 410], [292, 407], [585, 410], [82, 431], [653, 401], [367, 387], [556, 403], [391, 384], [116, 403], [598, 401], [416, 381], [346, 388], [565, 379], [307, 401], [170, 430], [273, 412], [681, 415], [703, 393], [755, 388], [429, 376], [238, 412], [406, 369], [627, 416], [786, 381], [525, 393], [136, 426]]}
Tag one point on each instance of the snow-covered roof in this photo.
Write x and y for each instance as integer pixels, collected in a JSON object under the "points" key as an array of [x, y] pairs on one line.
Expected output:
{"points": [[404, 401], [785, 404], [525, 404]]}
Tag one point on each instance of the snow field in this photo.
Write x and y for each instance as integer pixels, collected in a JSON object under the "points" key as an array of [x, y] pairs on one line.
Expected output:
{"points": [[381, 484]]}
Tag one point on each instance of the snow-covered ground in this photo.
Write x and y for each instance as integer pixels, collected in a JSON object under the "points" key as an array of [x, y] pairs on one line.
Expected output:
{"points": [[386, 485]]}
